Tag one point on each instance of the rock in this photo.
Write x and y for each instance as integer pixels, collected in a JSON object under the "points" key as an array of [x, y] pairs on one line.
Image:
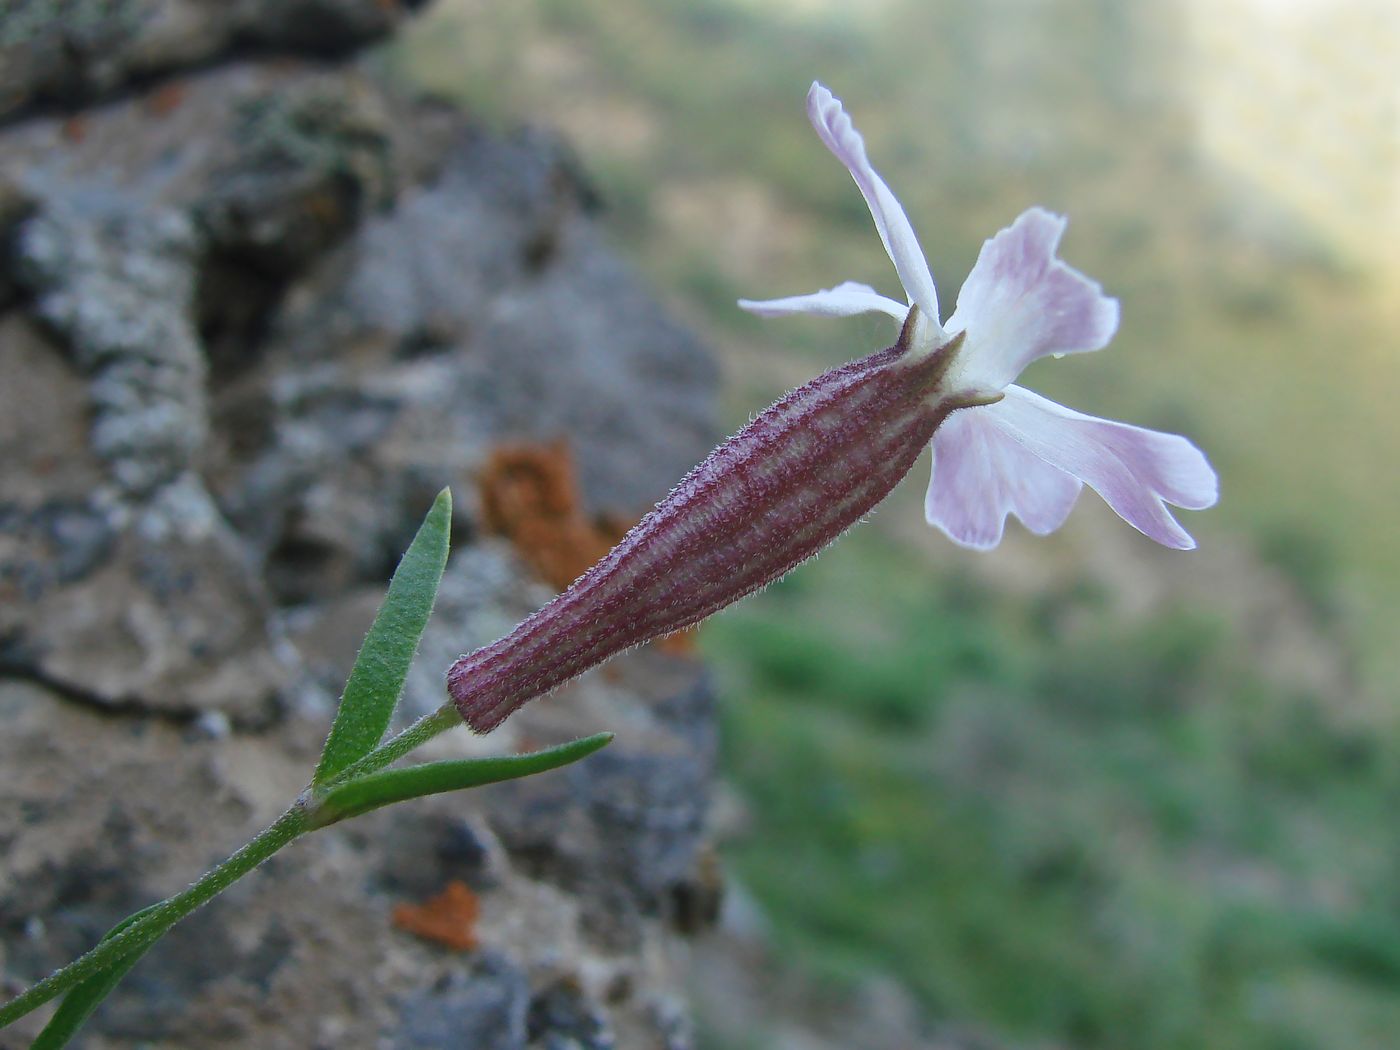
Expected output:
{"points": [[72, 52], [629, 824], [143, 604], [496, 264], [115, 281], [253, 317], [442, 849], [483, 1007], [15, 207], [462, 337], [562, 1018], [310, 162]]}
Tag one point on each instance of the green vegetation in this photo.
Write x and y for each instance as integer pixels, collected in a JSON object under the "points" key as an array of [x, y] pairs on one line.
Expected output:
{"points": [[1049, 809], [1056, 824]]}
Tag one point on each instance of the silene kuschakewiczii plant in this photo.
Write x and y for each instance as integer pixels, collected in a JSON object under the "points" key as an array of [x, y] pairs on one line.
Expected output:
{"points": [[812, 464], [769, 498]]}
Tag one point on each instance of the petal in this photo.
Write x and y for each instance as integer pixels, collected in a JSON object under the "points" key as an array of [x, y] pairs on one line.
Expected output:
{"points": [[844, 300], [840, 136], [1020, 302], [981, 474], [1136, 471]]}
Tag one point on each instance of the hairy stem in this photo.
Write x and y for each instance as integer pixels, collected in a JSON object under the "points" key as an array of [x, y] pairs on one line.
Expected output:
{"points": [[142, 933], [420, 732]]}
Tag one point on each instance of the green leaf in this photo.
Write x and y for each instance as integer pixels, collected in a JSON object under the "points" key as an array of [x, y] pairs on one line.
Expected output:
{"points": [[376, 681], [432, 778], [78, 1004]]}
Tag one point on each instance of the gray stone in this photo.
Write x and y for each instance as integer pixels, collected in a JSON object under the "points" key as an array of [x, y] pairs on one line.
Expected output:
{"points": [[484, 1007], [494, 268], [630, 821], [308, 163], [460, 338], [125, 600], [71, 52], [563, 1018], [115, 280], [437, 849], [15, 207]]}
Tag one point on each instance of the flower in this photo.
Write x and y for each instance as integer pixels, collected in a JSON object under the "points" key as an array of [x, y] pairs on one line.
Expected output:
{"points": [[813, 463], [1009, 450]]}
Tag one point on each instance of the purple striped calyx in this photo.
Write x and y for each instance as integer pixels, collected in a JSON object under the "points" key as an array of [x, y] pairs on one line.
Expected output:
{"points": [[813, 463], [773, 495]]}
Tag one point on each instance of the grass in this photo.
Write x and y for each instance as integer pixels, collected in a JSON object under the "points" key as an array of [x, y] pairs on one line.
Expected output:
{"points": [[1057, 824]]}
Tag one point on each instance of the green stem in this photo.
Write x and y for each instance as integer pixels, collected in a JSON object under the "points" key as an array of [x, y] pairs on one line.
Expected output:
{"points": [[420, 732], [139, 935], [149, 928]]}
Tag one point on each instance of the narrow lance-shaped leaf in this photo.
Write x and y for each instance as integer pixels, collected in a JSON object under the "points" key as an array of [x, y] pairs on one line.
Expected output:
{"points": [[376, 681], [433, 778], [78, 1004]]}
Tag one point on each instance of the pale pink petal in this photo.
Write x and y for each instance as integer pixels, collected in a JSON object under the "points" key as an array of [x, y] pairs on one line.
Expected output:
{"points": [[840, 136], [981, 474], [1136, 471], [1020, 302], [844, 300]]}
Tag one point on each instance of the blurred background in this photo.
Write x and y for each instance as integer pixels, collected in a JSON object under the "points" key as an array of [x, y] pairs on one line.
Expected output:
{"points": [[1080, 791]]}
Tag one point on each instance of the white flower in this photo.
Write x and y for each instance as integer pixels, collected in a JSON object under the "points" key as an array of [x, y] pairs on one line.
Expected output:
{"points": [[1020, 454]]}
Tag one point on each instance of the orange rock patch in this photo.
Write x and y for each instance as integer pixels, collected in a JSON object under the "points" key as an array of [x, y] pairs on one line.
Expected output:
{"points": [[448, 919], [529, 494]]}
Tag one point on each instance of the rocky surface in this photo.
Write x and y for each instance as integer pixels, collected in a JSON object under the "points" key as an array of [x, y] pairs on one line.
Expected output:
{"points": [[65, 53], [255, 310]]}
